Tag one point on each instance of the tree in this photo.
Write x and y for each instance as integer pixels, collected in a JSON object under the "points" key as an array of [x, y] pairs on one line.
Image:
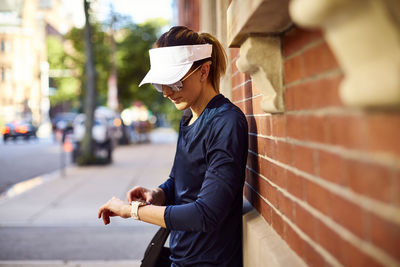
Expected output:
{"points": [[87, 147]]}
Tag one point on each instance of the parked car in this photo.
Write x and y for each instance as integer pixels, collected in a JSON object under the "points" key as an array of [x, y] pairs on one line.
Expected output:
{"points": [[63, 121], [18, 129], [103, 138]]}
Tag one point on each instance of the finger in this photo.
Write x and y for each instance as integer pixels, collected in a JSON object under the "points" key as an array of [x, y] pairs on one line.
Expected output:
{"points": [[106, 218], [132, 193], [149, 197], [100, 212]]}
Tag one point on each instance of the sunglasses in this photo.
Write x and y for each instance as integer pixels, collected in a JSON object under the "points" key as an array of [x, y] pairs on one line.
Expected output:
{"points": [[175, 86]]}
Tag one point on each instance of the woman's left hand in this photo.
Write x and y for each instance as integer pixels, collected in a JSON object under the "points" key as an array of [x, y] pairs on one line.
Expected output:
{"points": [[114, 207]]}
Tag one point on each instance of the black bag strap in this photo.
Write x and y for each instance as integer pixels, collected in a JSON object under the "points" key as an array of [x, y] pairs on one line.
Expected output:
{"points": [[155, 247]]}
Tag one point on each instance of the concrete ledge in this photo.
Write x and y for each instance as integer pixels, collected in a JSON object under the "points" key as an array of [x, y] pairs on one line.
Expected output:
{"points": [[251, 17], [263, 247]]}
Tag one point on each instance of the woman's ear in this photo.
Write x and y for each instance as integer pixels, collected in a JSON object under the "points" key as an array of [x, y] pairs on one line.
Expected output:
{"points": [[205, 70]]}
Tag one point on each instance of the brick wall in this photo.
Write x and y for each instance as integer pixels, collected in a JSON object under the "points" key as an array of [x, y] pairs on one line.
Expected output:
{"points": [[326, 177]]}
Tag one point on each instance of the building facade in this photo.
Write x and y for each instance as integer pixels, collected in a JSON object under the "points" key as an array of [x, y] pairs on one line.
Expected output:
{"points": [[24, 25], [319, 84]]}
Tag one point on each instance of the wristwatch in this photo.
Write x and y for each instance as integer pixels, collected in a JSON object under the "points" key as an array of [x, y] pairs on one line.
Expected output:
{"points": [[135, 208]]}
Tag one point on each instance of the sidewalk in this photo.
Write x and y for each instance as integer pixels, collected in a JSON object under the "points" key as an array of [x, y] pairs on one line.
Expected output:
{"points": [[62, 208]]}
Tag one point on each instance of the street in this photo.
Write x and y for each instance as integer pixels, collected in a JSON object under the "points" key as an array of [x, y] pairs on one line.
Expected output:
{"points": [[22, 160], [57, 220]]}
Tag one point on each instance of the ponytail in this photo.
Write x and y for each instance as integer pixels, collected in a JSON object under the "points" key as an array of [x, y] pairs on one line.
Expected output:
{"points": [[218, 59]]}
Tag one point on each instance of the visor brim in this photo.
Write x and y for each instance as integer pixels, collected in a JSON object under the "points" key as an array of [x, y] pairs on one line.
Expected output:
{"points": [[167, 75]]}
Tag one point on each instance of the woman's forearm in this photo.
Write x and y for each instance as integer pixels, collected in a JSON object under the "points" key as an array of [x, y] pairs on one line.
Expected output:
{"points": [[152, 214]]}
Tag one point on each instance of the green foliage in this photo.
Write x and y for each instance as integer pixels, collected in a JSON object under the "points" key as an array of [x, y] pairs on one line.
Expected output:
{"points": [[132, 60]]}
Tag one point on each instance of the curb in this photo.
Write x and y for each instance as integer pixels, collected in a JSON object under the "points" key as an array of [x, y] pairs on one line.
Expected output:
{"points": [[27, 185]]}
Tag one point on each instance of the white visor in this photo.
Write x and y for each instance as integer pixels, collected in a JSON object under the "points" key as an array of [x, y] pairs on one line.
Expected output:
{"points": [[169, 64]]}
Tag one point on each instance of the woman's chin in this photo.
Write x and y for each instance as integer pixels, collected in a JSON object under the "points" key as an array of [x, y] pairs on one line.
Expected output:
{"points": [[181, 106]]}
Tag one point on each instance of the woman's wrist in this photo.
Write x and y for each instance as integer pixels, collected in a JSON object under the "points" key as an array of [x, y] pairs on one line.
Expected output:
{"points": [[126, 211]]}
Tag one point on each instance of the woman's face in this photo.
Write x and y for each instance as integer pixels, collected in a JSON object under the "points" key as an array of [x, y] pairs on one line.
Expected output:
{"points": [[188, 96]]}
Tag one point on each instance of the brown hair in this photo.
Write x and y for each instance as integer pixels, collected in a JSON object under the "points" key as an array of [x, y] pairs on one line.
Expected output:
{"points": [[181, 35]]}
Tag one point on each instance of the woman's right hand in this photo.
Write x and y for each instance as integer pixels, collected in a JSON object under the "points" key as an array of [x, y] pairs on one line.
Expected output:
{"points": [[154, 197]]}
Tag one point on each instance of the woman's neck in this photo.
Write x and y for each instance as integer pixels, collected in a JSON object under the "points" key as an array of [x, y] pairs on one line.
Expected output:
{"points": [[205, 97]]}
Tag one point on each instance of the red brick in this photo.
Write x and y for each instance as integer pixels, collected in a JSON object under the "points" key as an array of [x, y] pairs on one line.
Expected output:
{"points": [[251, 161], [297, 38], [285, 205], [259, 124], [303, 158], [237, 94], [305, 221], [253, 143], [318, 197], [331, 241], [314, 94], [252, 124], [317, 129], [265, 210], [319, 59], [278, 175], [264, 125], [396, 179], [295, 185], [277, 223], [347, 131], [355, 257], [371, 180], [256, 103], [248, 89], [382, 130], [271, 194], [258, 203], [247, 107], [234, 53], [296, 126], [249, 194], [331, 167], [270, 148], [237, 79], [254, 89], [385, 234], [293, 69], [265, 168], [311, 256], [260, 164], [268, 127], [278, 123], [284, 152], [294, 241], [257, 183], [348, 214], [261, 145]]}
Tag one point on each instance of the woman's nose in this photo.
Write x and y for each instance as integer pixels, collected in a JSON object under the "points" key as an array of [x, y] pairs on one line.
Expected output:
{"points": [[167, 91]]}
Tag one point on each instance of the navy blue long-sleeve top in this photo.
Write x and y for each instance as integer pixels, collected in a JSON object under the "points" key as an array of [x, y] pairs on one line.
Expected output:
{"points": [[204, 190]]}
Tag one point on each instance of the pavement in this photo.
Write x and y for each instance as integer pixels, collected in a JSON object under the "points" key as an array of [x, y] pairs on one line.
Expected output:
{"points": [[51, 220]]}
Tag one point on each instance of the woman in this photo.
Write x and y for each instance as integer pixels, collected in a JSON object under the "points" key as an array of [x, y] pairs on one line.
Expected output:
{"points": [[201, 202]]}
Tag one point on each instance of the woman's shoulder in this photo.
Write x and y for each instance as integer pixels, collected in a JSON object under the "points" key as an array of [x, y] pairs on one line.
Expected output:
{"points": [[228, 110], [227, 115]]}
